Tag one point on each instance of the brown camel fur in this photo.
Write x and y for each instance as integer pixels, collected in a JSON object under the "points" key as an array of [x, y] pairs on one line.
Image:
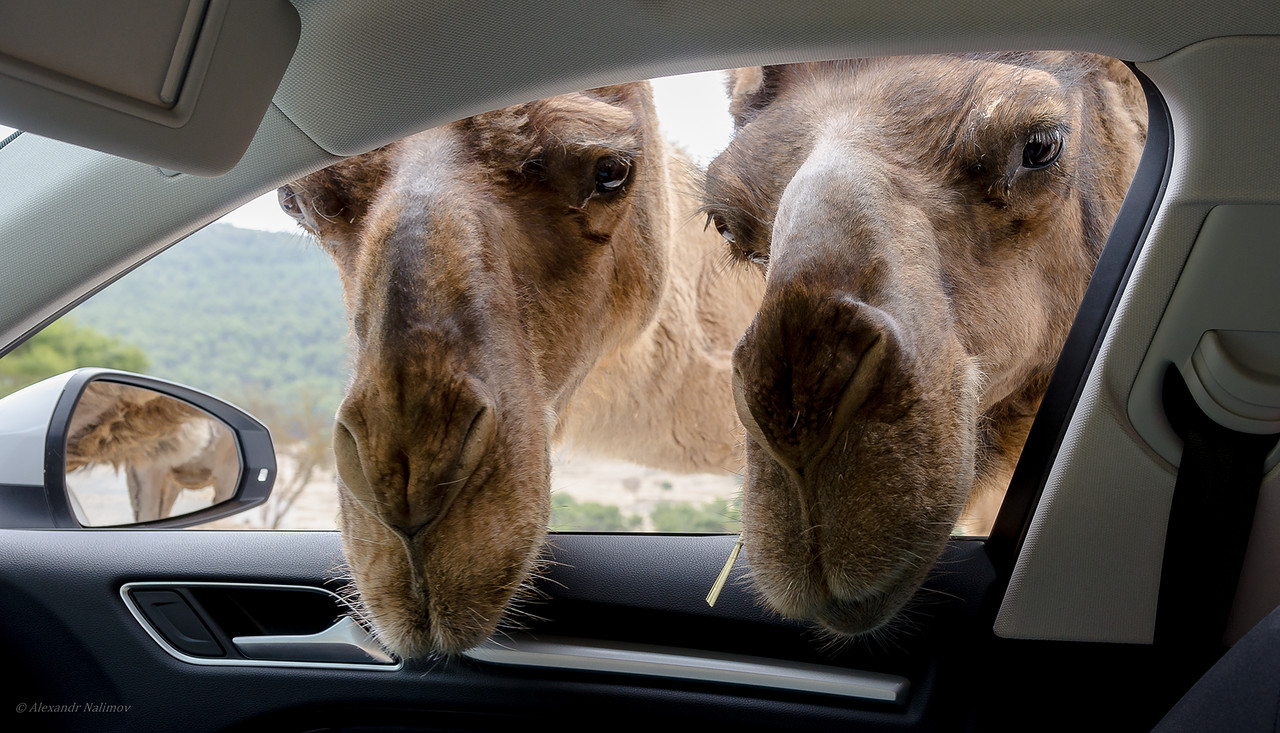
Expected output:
{"points": [[520, 278], [926, 227], [164, 446]]}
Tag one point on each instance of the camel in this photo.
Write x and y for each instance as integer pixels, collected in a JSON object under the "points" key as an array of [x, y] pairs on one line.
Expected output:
{"points": [[529, 277], [163, 446], [926, 228]]}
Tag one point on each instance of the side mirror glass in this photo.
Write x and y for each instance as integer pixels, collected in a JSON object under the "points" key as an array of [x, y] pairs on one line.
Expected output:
{"points": [[122, 449], [137, 455]]}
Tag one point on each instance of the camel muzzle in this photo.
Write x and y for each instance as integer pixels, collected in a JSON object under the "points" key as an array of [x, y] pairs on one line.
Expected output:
{"points": [[409, 484], [804, 371]]}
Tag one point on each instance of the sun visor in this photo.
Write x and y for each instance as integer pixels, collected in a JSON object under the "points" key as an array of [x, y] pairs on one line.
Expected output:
{"points": [[180, 84]]}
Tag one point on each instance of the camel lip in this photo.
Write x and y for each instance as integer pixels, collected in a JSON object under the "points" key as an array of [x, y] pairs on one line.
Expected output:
{"points": [[415, 628], [866, 611], [426, 612], [430, 639], [854, 619], [846, 606], [844, 615]]}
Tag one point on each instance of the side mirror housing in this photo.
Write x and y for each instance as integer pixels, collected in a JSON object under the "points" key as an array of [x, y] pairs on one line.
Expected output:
{"points": [[106, 448]]}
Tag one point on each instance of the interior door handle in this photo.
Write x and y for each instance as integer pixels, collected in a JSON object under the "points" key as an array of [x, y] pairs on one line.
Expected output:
{"points": [[344, 642]]}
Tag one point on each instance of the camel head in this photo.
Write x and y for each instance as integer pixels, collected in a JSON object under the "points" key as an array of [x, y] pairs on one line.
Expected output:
{"points": [[487, 265], [926, 227]]}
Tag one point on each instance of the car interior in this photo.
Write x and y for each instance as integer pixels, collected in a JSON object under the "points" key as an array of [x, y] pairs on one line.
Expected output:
{"points": [[1116, 574]]}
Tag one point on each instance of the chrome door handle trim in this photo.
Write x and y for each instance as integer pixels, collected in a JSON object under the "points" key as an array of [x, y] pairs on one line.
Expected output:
{"points": [[223, 662], [684, 664], [344, 642]]}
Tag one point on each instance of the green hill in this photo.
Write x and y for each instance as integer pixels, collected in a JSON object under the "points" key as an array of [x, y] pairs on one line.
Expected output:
{"points": [[64, 346], [253, 317]]}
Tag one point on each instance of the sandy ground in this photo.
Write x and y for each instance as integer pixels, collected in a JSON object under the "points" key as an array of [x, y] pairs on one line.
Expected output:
{"points": [[102, 496], [634, 489]]}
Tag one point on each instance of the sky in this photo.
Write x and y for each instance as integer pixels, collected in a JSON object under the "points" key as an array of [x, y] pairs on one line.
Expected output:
{"points": [[692, 111]]}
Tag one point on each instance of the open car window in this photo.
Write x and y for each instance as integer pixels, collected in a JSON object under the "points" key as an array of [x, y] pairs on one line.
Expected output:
{"points": [[252, 308]]}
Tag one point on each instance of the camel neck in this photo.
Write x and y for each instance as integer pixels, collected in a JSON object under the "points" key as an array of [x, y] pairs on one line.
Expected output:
{"points": [[665, 398]]}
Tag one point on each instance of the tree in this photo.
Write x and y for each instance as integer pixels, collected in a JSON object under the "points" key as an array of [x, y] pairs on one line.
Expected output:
{"points": [[570, 515], [303, 440], [682, 516], [61, 347]]}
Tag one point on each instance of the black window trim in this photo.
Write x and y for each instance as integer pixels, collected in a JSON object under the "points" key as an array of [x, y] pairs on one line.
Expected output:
{"points": [[1080, 351]]}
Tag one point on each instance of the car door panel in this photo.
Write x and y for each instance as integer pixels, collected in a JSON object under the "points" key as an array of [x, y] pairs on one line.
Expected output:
{"points": [[80, 644]]}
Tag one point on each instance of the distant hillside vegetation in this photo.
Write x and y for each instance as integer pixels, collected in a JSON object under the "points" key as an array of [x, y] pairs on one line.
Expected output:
{"points": [[64, 346], [253, 317]]}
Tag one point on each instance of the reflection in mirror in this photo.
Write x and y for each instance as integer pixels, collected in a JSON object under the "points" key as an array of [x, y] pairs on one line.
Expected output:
{"points": [[134, 455]]}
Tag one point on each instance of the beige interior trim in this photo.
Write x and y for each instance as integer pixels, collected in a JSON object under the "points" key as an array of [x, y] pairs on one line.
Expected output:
{"points": [[1090, 567]]}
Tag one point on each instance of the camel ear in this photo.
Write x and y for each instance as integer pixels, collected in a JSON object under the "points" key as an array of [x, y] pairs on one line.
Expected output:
{"points": [[1130, 88], [635, 95], [1110, 77], [751, 89]]}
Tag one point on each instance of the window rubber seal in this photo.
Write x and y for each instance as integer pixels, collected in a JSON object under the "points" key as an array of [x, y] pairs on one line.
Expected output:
{"points": [[12, 136], [1080, 350]]}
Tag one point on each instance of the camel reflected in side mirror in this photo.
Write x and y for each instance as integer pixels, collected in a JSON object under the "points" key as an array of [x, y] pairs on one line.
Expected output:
{"points": [[99, 447], [137, 455]]}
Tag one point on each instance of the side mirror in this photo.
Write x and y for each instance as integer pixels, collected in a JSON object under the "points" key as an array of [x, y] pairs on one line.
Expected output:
{"points": [[105, 448]]}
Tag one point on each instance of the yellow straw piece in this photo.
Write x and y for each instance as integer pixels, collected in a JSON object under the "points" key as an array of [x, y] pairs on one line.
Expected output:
{"points": [[724, 573]]}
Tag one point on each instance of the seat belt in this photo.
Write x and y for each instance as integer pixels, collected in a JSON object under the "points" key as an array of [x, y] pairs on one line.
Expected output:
{"points": [[1214, 498]]}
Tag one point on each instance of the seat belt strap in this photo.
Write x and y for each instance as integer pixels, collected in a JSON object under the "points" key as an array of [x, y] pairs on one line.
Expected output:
{"points": [[1214, 498]]}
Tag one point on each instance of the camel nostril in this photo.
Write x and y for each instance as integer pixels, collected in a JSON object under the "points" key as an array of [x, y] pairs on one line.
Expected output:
{"points": [[752, 427], [797, 390], [346, 453], [866, 377], [744, 408], [403, 459], [477, 440], [408, 485], [385, 501]]}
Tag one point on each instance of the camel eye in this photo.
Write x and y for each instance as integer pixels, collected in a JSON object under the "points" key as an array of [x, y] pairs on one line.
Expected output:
{"points": [[612, 174], [721, 227], [1042, 150], [534, 168], [289, 202]]}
